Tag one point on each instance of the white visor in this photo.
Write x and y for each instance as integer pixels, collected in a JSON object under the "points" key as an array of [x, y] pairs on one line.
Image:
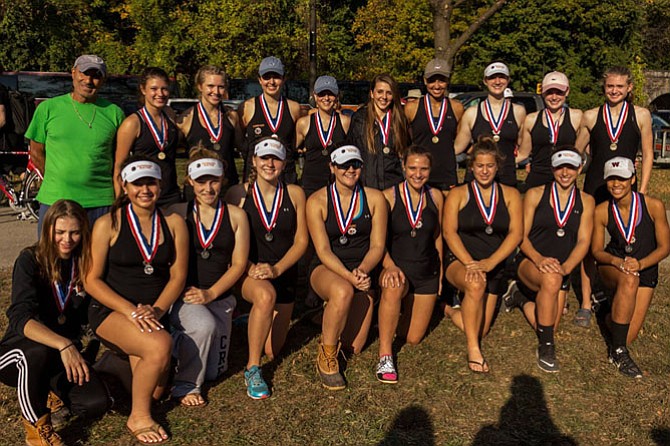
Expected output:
{"points": [[206, 166], [563, 157], [269, 147], [140, 169]]}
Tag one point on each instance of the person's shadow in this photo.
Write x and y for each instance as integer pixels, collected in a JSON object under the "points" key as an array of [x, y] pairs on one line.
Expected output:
{"points": [[412, 426], [524, 419]]}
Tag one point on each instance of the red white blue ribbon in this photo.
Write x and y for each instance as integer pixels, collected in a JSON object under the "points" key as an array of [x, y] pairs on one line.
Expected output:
{"points": [[275, 122], [435, 124], [614, 131], [205, 236], [488, 212], [554, 126], [327, 136], [496, 122], [269, 219], [627, 232], [62, 293], [148, 248], [562, 216], [413, 216], [343, 222], [160, 136], [214, 132], [384, 125]]}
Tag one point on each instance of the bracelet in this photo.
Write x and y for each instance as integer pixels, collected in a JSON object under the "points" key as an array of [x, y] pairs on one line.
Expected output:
{"points": [[66, 347]]}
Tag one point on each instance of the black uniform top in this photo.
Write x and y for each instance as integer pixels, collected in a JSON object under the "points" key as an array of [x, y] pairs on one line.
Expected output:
{"points": [[543, 231], [145, 145], [352, 253], [33, 298], [198, 135], [418, 252], [443, 169], [628, 145], [258, 127], [283, 234], [315, 173], [509, 134], [645, 234], [540, 167], [471, 226], [380, 170], [203, 273]]}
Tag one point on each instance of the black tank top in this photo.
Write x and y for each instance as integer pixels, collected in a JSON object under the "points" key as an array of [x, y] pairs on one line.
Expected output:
{"points": [[509, 134], [471, 226], [645, 234], [203, 273], [258, 127], [315, 173], [125, 266], [145, 145], [198, 135], [358, 238], [540, 166], [283, 234], [543, 231], [418, 251], [443, 169], [628, 145]]}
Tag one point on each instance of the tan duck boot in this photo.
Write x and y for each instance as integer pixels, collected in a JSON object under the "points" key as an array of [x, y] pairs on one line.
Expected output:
{"points": [[42, 433], [329, 368]]}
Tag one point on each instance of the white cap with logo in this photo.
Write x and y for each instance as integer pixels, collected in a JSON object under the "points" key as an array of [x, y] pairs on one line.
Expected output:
{"points": [[496, 68], [345, 153], [619, 167], [269, 147]]}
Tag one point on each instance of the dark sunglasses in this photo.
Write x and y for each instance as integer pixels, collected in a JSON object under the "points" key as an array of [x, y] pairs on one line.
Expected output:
{"points": [[325, 93], [268, 76], [345, 166]]}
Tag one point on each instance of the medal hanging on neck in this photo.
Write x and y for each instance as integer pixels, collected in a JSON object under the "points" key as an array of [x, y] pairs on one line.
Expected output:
{"points": [[344, 222], [269, 219], [62, 294], [614, 131], [326, 137], [159, 135], [488, 212], [562, 217], [275, 122], [206, 237], [554, 126], [413, 216], [384, 126], [148, 249], [435, 123], [214, 132], [496, 123], [628, 232]]}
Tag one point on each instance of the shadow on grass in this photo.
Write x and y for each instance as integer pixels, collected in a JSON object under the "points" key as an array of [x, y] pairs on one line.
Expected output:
{"points": [[412, 426], [661, 436], [524, 419]]}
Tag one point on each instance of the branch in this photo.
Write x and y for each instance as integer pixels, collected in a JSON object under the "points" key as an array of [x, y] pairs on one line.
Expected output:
{"points": [[458, 43]]}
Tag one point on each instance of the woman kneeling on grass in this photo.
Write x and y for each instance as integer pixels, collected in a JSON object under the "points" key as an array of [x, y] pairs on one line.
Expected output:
{"points": [[558, 222], [347, 223], [412, 267], [202, 318], [139, 264], [483, 225], [628, 265], [40, 350]]}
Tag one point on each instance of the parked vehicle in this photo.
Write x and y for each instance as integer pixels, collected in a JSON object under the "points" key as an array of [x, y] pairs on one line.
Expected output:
{"points": [[661, 130]]}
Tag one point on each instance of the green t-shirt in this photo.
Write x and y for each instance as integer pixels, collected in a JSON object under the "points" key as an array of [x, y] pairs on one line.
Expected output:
{"points": [[79, 160]]}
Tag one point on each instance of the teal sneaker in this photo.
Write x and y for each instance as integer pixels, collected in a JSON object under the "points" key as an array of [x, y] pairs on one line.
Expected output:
{"points": [[257, 388]]}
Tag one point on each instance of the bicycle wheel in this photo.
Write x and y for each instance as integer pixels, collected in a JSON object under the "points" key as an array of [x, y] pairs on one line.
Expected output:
{"points": [[8, 195], [31, 185]]}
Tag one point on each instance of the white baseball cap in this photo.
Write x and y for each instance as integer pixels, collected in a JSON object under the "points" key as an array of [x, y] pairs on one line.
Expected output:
{"points": [[496, 68], [140, 169], [619, 167], [556, 80], [272, 147], [563, 157], [345, 153], [205, 166]]}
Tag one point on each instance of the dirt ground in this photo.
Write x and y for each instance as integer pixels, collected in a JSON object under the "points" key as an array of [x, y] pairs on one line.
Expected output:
{"points": [[14, 236]]}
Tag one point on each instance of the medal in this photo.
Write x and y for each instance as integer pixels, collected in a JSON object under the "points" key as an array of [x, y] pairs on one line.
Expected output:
{"points": [[614, 131], [268, 219], [159, 135], [488, 212], [215, 133], [384, 126], [414, 216], [61, 319], [496, 123], [324, 152], [496, 138], [325, 137], [161, 155], [216, 146], [63, 293], [344, 222], [628, 249], [435, 124], [386, 150], [627, 232], [562, 217], [206, 236], [148, 249], [275, 122], [412, 233], [554, 126]]}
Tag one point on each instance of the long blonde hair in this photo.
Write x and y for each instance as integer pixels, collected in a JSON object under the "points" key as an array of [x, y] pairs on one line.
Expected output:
{"points": [[398, 125]]}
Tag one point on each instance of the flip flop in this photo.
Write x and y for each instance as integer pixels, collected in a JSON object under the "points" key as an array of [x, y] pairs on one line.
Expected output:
{"points": [[154, 428], [481, 364]]}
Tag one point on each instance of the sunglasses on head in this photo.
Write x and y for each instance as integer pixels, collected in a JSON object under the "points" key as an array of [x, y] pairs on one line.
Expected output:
{"points": [[345, 166], [268, 76]]}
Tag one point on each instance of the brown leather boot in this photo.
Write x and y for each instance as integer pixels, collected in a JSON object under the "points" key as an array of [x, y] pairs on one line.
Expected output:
{"points": [[42, 433], [59, 411], [329, 368]]}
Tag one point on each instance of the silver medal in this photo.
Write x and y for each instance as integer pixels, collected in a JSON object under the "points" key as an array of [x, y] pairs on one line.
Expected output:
{"points": [[560, 232], [269, 237], [216, 146], [628, 249], [148, 269], [496, 138], [205, 254], [324, 152], [412, 233], [343, 240], [489, 230]]}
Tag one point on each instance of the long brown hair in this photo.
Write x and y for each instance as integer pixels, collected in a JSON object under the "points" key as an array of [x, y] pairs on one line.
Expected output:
{"points": [[398, 126], [46, 251]]}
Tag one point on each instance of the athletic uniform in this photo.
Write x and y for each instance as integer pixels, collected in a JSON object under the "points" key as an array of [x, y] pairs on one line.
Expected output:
{"points": [[416, 256], [540, 168], [34, 368], [645, 243], [259, 127], [480, 245], [263, 251], [627, 146], [315, 173], [146, 145], [443, 172], [509, 134], [202, 332]]}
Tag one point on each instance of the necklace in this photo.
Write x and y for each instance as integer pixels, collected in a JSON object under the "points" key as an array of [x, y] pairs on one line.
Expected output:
{"points": [[89, 124]]}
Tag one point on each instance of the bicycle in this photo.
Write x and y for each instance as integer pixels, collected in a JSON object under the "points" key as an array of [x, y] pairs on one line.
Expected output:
{"points": [[23, 201]]}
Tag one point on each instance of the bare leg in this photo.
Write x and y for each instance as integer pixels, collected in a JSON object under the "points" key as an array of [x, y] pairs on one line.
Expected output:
{"points": [[279, 329], [389, 314], [261, 294]]}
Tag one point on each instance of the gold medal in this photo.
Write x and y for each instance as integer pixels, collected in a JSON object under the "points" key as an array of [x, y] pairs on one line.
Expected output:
{"points": [[496, 138], [386, 150], [613, 146], [61, 319], [435, 139], [161, 155]]}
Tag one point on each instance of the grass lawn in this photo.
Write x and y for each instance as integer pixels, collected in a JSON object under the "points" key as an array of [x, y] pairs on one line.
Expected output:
{"points": [[437, 402]]}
